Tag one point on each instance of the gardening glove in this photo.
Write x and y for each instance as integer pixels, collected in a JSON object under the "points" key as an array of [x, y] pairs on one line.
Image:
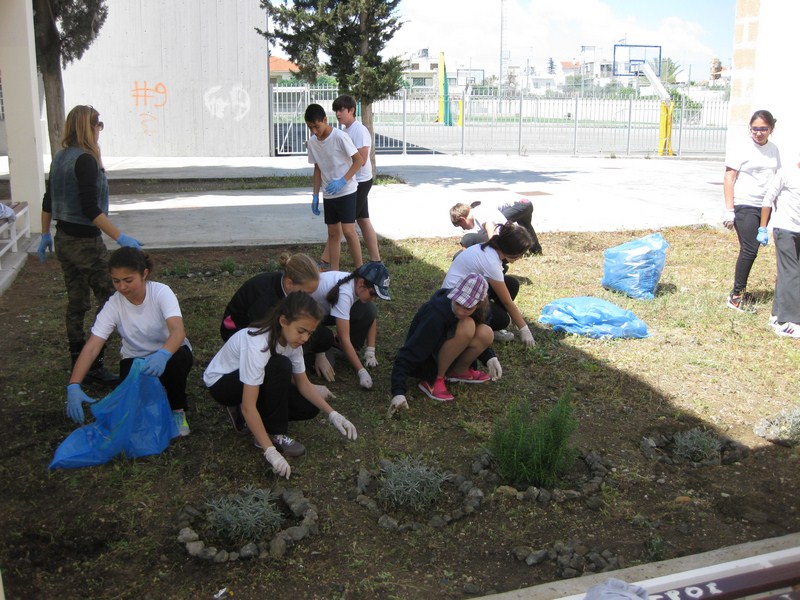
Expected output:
{"points": [[369, 356], [345, 427], [325, 392], [495, 369], [75, 399], [155, 363], [398, 402], [45, 244], [727, 218], [364, 380], [323, 367], [279, 465], [315, 204], [762, 237], [527, 337], [127, 241], [335, 186]]}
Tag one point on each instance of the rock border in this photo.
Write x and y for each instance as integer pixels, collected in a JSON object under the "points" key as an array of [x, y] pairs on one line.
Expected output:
{"points": [[658, 447], [275, 548]]}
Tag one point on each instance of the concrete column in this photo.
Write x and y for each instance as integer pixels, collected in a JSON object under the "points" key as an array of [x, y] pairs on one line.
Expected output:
{"points": [[21, 102]]}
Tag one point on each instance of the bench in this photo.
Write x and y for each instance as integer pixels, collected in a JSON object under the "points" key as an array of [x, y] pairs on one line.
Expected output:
{"points": [[11, 233]]}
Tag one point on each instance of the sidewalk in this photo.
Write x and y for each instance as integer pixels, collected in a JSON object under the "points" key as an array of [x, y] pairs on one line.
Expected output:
{"points": [[568, 194]]}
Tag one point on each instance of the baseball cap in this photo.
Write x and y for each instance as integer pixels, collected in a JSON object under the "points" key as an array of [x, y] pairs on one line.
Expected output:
{"points": [[469, 290], [376, 273]]}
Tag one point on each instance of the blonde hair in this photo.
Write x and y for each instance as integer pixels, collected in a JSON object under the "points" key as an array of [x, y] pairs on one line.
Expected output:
{"points": [[79, 131], [300, 268], [459, 211]]}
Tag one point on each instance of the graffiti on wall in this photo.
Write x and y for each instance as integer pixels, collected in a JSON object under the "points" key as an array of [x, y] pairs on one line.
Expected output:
{"points": [[148, 99], [222, 103]]}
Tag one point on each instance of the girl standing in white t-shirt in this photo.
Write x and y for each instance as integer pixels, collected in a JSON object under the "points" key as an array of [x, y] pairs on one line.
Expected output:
{"points": [[256, 368], [148, 318], [748, 170]]}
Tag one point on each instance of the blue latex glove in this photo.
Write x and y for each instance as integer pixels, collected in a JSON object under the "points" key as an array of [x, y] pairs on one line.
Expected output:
{"points": [[315, 204], [335, 185], [762, 237], [45, 244], [75, 399], [126, 240], [155, 363]]}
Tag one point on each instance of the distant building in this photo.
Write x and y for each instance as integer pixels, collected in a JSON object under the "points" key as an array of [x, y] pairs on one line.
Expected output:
{"points": [[281, 69]]}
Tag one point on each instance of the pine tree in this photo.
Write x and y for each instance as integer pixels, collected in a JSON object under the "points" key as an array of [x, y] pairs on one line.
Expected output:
{"points": [[351, 34], [551, 66], [64, 30]]}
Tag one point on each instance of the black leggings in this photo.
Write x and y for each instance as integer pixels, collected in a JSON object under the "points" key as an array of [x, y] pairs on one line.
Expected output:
{"points": [[746, 221], [498, 315], [279, 401], [173, 378]]}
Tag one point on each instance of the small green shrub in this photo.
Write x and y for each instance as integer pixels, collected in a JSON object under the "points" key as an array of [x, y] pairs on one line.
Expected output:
{"points": [[697, 445], [228, 265], [409, 483], [245, 517], [534, 449], [179, 269]]}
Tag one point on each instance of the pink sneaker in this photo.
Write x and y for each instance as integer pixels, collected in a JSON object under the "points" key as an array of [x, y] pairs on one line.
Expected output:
{"points": [[437, 391], [469, 376]]}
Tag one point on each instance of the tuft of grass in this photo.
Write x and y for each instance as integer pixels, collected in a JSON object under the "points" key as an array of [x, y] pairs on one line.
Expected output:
{"points": [[533, 449], [228, 265], [697, 445], [409, 483], [247, 516], [179, 269]]}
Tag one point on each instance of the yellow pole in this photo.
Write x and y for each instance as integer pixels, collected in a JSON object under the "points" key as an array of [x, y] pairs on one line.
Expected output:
{"points": [[665, 129], [461, 113]]}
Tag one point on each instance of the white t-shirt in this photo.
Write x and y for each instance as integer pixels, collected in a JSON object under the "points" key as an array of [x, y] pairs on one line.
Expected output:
{"points": [[333, 155], [143, 327], [756, 165], [485, 213], [249, 354], [359, 133], [783, 196], [474, 259], [347, 294]]}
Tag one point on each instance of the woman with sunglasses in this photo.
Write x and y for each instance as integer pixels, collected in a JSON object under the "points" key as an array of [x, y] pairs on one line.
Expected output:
{"points": [[346, 300], [489, 259], [749, 167], [76, 196]]}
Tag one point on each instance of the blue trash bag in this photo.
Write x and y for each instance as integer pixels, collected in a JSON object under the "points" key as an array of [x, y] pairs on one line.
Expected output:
{"points": [[635, 267], [135, 420], [592, 317]]}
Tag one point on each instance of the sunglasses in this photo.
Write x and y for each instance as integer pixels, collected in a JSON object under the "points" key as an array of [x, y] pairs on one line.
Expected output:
{"points": [[759, 129], [100, 125]]}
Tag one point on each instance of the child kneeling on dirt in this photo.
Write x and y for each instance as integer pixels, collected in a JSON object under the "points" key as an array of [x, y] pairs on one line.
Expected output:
{"points": [[446, 336]]}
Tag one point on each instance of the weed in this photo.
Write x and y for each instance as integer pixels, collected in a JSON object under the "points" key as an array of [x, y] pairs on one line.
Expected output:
{"points": [[697, 445], [655, 547], [243, 517], [409, 483], [534, 449], [228, 265], [179, 269]]}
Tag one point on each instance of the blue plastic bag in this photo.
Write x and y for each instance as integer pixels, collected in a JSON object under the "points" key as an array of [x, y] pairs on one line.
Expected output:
{"points": [[135, 420], [592, 317], [635, 267]]}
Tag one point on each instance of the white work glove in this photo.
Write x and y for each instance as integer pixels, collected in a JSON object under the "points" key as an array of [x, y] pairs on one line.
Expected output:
{"points": [[369, 356], [398, 402], [345, 427], [364, 380], [279, 465], [495, 369], [325, 392], [527, 336], [727, 218], [323, 367]]}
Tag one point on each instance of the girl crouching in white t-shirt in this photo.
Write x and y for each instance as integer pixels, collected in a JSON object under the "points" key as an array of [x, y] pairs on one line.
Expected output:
{"points": [[256, 368]]}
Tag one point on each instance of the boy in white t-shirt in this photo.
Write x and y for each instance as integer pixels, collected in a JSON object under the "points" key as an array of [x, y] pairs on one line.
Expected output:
{"points": [[483, 218], [336, 162]]}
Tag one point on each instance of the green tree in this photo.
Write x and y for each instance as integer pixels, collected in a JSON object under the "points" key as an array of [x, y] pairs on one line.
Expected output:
{"points": [[551, 66], [669, 70], [64, 30], [350, 35]]}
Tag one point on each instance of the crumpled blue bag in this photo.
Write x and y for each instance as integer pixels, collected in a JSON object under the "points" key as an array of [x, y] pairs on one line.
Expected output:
{"points": [[135, 420], [635, 267], [592, 317]]}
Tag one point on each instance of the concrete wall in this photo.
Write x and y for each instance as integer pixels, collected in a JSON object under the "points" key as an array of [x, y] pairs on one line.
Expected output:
{"points": [[764, 72], [177, 78]]}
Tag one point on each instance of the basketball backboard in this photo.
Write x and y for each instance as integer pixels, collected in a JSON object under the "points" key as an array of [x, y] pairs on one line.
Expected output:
{"points": [[628, 59]]}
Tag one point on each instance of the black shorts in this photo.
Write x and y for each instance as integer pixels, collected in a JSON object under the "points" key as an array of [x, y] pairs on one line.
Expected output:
{"points": [[340, 210], [362, 199]]}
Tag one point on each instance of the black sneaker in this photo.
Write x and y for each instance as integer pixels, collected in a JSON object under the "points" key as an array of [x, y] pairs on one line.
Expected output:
{"points": [[102, 375], [285, 445], [741, 302], [237, 419]]}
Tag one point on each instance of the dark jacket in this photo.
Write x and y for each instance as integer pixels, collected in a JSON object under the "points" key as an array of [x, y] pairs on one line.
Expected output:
{"points": [[253, 300]]}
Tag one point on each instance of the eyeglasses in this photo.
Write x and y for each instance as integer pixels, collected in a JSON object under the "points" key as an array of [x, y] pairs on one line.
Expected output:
{"points": [[759, 129], [100, 125]]}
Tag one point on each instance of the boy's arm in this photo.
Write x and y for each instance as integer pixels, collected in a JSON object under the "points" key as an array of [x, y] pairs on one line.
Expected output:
{"points": [[358, 162], [317, 178]]}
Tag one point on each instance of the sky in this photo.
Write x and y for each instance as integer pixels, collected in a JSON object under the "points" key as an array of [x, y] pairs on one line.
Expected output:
{"points": [[690, 32]]}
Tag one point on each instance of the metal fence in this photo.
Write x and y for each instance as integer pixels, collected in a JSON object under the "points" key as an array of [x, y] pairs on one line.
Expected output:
{"points": [[409, 123]]}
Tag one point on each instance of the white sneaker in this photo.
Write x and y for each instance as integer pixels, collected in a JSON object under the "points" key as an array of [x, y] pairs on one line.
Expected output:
{"points": [[773, 321], [787, 329], [503, 335], [181, 422]]}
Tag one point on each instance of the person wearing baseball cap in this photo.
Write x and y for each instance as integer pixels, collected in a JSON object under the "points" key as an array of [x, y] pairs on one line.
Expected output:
{"points": [[347, 301], [447, 335]]}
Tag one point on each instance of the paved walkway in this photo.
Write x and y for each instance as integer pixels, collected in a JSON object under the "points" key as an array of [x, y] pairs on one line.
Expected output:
{"points": [[568, 194]]}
